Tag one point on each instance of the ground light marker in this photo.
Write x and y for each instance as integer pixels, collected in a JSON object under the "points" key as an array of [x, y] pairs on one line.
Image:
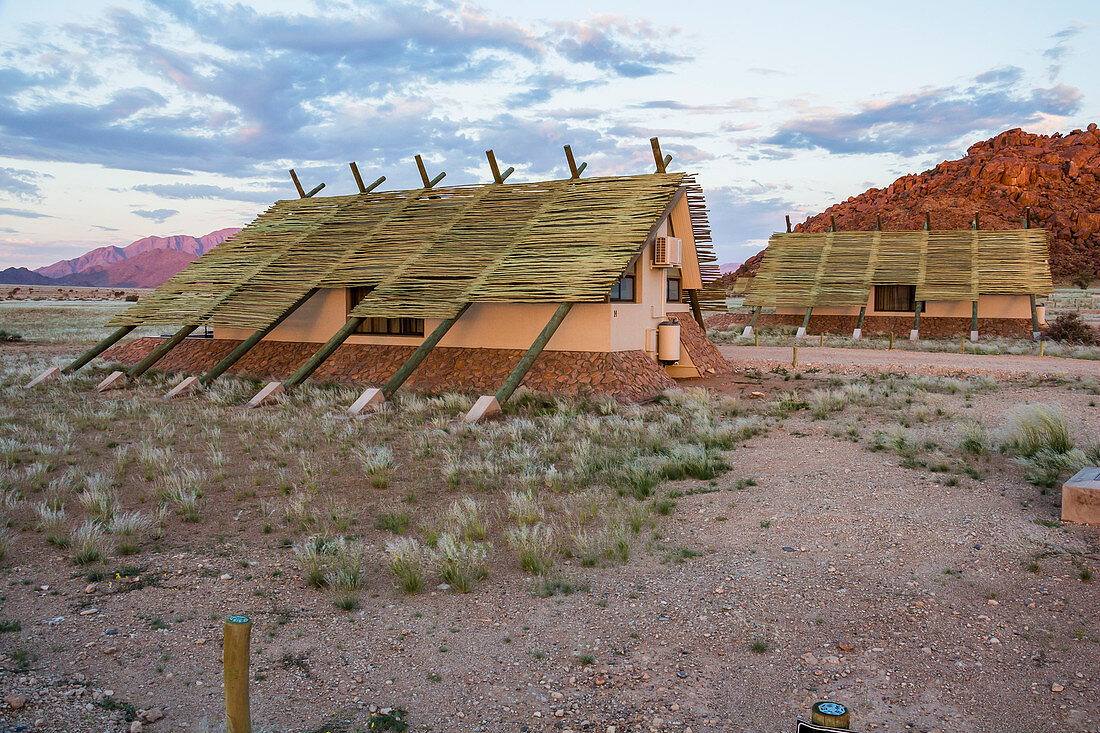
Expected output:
{"points": [[238, 717], [489, 405]]}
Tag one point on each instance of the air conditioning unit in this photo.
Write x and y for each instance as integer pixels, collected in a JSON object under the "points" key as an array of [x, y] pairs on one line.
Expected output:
{"points": [[667, 252]]}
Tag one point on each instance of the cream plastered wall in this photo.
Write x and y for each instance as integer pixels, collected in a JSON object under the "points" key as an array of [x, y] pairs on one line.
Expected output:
{"points": [[588, 327], [989, 306]]}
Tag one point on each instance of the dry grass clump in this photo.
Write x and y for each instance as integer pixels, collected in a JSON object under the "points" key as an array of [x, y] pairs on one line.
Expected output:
{"points": [[131, 528], [590, 546], [6, 543], [974, 439], [377, 462], [333, 563], [534, 545], [97, 498], [183, 491], [52, 522], [406, 560], [1035, 428], [461, 565], [524, 507], [466, 518], [824, 402], [88, 543]]}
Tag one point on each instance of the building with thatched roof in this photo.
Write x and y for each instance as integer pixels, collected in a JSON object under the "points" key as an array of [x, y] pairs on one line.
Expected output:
{"points": [[924, 282], [462, 282]]}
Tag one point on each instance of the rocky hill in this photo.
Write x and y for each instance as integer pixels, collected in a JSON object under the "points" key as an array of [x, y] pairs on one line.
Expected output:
{"points": [[23, 276], [146, 270], [1057, 175], [102, 257]]}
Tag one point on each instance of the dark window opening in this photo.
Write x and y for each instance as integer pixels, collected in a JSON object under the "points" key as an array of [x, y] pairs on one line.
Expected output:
{"points": [[672, 290], [623, 290], [383, 326], [898, 298]]}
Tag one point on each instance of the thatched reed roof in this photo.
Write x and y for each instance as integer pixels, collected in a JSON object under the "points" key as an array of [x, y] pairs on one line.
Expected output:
{"points": [[839, 268], [426, 252]]}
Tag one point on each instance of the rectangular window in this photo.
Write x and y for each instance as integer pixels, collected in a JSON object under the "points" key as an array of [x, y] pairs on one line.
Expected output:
{"points": [[384, 326], [672, 290], [899, 298], [623, 291]]}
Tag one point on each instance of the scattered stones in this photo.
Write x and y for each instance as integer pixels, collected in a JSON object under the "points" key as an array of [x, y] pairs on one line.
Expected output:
{"points": [[1056, 687], [89, 612], [16, 701]]}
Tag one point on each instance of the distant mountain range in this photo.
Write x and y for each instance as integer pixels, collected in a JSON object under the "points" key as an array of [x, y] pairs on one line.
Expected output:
{"points": [[145, 263]]}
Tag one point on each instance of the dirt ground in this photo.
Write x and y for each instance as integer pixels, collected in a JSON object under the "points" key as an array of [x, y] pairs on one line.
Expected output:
{"points": [[945, 596]]}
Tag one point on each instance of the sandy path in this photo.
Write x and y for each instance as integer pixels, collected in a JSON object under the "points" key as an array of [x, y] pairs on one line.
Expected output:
{"points": [[936, 362]]}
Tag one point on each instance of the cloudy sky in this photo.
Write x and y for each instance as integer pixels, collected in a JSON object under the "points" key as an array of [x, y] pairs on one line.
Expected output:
{"points": [[124, 119]]}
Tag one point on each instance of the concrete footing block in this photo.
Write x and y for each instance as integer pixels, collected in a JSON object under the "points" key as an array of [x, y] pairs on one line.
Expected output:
{"points": [[187, 386], [114, 380], [913, 335], [271, 392], [1035, 335], [51, 373], [857, 334], [747, 333], [485, 407], [1081, 497], [973, 336], [801, 332], [372, 398]]}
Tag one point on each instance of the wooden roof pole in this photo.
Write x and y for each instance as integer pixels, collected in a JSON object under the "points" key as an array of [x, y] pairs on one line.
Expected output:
{"points": [[488, 405], [301, 192], [574, 169], [498, 177], [661, 161], [424, 173], [359, 179]]}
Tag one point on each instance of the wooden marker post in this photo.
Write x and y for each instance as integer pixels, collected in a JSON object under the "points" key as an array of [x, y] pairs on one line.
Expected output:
{"points": [[794, 356], [822, 339], [830, 715], [891, 339], [235, 658], [962, 345]]}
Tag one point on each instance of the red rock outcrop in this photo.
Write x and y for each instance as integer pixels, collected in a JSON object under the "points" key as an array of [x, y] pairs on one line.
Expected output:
{"points": [[1057, 175]]}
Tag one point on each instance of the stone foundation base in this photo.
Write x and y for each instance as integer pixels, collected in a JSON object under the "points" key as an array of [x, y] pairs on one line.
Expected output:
{"points": [[930, 326], [625, 375]]}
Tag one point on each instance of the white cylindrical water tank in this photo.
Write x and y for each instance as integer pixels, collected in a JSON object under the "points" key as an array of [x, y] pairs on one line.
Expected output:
{"points": [[668, 342]]}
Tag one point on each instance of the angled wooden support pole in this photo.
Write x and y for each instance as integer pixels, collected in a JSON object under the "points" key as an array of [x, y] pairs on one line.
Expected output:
{"points": [[927, 221], [116, 380], [696, 311], [878, 222], [805, 323], [788, 218], [498, 177], [858, 332], [1034, 319], [1027, 217], [974, 321], [489, 405], [316, 189], [375, 398], [273, 390], [424, 173], [917, 308], [661, 161], [359, 179], [832, 222], [574, 169], [297, 184], [98, 349], [245, 346], [752, 322]]}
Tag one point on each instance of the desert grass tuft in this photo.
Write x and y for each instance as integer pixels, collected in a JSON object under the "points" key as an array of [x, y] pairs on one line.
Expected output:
{"points": [[534, 545], [87, 542], [406, 560], [461, 565]]}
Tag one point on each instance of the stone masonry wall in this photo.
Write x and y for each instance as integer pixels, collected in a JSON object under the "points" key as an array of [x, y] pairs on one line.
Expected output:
{"points": [[626, 375], [930, 327]]}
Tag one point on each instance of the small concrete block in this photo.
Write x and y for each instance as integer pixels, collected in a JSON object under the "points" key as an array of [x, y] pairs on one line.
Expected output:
{"points": [[271, 392], [372, 398], [1035, 335], [973, 336], [485, 407], [187, 386], [114, 380], [801, 332], [1081, 497], [51, 373], [913, 335], [747, 333], [857, 334]]}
